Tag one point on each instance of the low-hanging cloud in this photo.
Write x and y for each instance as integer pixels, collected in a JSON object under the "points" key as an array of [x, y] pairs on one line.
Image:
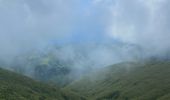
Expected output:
{"points": [[29, 24], [81, 34]]}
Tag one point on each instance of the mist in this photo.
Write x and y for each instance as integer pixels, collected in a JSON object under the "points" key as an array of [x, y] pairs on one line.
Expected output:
{"points": [[92, 33]]}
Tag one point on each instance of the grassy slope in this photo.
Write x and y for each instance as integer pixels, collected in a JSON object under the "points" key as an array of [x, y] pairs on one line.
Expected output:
{"points": [[16, 87], [127, 81]]}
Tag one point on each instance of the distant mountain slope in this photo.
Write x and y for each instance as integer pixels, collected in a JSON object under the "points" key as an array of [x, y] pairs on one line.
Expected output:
{"points": [[16, 87], [127, 81], [66, 63]]}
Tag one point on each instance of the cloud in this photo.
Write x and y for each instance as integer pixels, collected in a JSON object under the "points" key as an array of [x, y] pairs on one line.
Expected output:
{"points": [[26, 24], [141, 22], [29, 24]]}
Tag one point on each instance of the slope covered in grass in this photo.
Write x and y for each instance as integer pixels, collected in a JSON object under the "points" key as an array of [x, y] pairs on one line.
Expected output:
{"points": [[127, 81], [16, 87]]}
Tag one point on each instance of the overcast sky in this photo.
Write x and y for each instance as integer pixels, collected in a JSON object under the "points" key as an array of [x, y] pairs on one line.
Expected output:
{"points": [[28, 24]]}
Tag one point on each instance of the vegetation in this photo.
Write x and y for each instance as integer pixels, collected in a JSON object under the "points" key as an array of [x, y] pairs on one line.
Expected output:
{"points": [[16, 87], [126, 81]]}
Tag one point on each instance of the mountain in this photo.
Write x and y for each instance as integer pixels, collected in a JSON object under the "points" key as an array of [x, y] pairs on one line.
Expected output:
{"points": [[17, 87], [126, 81], [65, 64], [144, 80]]}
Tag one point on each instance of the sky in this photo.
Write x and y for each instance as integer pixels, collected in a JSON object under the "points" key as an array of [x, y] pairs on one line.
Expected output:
{"points": [[26, 24]]}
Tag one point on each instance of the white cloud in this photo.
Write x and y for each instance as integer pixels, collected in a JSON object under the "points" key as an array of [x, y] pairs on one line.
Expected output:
{"points": [[26, 24], [141, 22]]}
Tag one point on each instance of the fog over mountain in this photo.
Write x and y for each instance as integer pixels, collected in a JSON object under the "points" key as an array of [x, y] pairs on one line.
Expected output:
{"points": [[35, 25], [84, 49]]}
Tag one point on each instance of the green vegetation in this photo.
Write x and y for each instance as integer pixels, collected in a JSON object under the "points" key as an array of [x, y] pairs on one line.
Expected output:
{"points": [[16, 87], [44, 67], [126, 81]]}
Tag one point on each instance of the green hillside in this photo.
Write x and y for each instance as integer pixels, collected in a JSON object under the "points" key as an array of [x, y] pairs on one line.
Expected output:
{"points": [[16, 87], [126, 81]]}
